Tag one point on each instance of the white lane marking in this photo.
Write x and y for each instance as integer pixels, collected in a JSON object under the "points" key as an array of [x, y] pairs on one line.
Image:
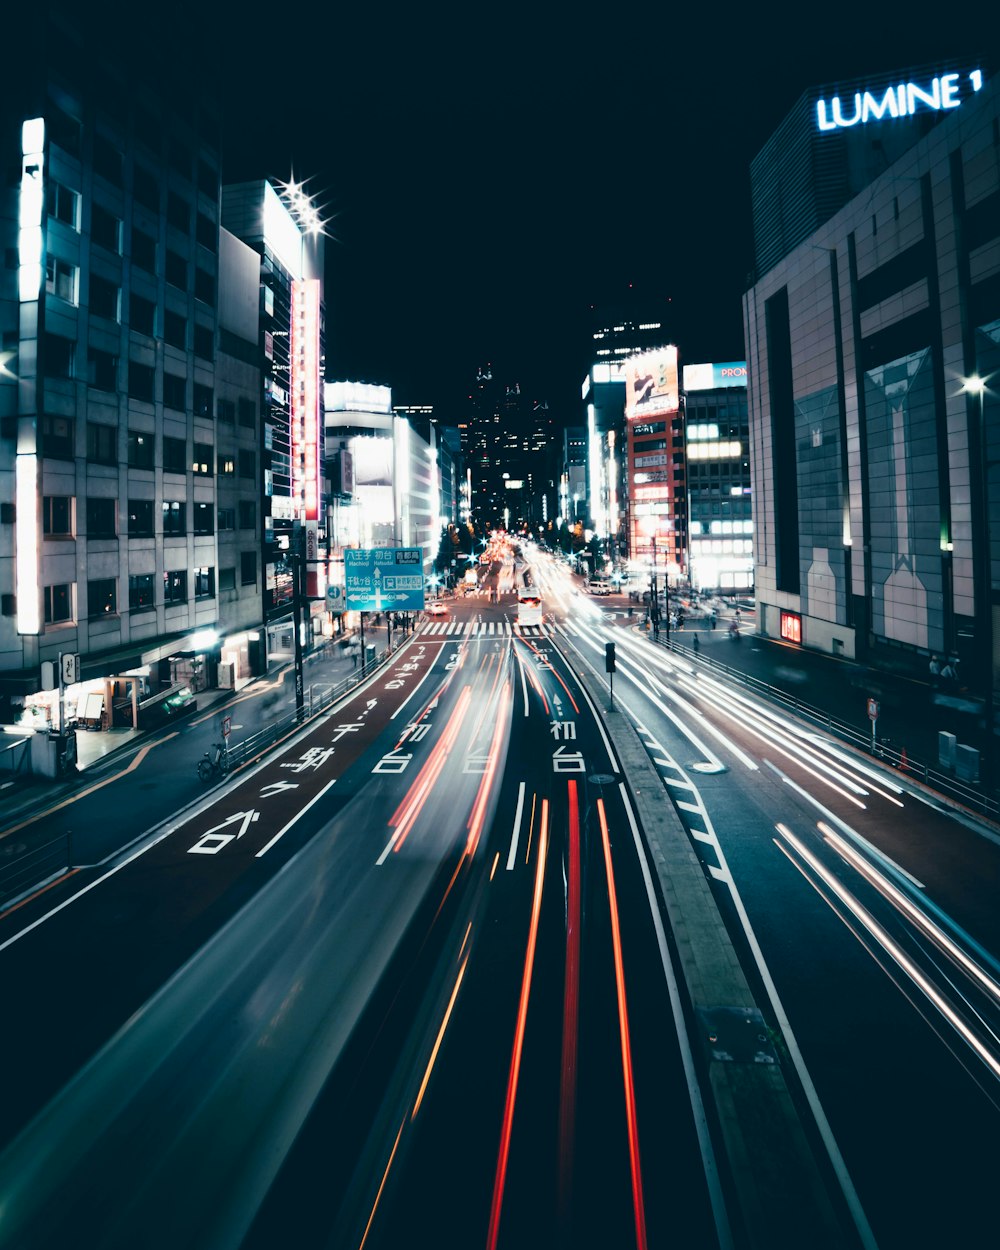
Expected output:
{"points": [[281, 832], [517, 826], [414, 690]]}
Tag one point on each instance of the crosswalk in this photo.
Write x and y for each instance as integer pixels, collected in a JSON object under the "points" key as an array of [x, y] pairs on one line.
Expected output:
{"points": [[483, 629]]}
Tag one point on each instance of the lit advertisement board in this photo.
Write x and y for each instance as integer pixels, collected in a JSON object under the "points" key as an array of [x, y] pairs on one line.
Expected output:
{"points": [[384, 579], [306, 423], [711, 377], [651, 383]]}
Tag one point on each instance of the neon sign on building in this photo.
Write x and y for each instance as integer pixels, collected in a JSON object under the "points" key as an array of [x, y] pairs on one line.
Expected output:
{"points": [[946, 91], [306, 431]]}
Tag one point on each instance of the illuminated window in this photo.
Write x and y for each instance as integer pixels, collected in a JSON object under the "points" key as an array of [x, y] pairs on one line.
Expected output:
{"points": [[791, 626], [140, 592], [102, 598], [175, 587]]}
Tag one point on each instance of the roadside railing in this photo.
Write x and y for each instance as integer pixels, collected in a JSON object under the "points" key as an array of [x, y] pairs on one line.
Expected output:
{"points": [[26, 863], [974, 796]]}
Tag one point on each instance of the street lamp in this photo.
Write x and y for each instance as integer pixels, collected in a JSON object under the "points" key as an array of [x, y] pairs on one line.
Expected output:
{"points": [[982, 556]]}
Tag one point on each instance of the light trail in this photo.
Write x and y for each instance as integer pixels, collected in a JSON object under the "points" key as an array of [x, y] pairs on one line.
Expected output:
{"points": [[385, 1177], [522, 1016], [478, 817], [437, 1041], [638, 1204], [907, 908], [892, 948]]}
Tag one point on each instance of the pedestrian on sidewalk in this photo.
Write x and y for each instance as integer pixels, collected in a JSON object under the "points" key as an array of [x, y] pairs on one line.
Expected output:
{"points": [[695, 644], [949, 678], [934, 668]]}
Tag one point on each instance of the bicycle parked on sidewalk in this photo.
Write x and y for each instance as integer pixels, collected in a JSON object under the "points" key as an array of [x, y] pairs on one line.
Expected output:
{"points": [[215, 760]]}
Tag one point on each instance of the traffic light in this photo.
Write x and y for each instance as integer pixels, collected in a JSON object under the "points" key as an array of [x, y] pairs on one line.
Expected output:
{"points": [[609, 657]]}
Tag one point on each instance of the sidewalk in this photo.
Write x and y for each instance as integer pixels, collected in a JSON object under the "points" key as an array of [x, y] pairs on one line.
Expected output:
{"points": [[23, 794]]}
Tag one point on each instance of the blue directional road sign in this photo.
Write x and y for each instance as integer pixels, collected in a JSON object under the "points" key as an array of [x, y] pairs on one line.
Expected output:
{"points": [[384, 579]]}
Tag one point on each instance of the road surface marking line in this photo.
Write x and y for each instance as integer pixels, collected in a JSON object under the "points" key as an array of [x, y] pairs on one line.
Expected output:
{"points": [[517, 826], [281, 832]]}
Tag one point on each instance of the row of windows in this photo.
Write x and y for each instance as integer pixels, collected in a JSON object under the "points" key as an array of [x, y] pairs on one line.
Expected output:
{"points": [[102, 448], [58, 517], [102, 593], [64, 204]]}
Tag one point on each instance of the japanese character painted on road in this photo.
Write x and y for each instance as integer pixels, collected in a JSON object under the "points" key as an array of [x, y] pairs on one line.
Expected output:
{"points": [[314, 758]]}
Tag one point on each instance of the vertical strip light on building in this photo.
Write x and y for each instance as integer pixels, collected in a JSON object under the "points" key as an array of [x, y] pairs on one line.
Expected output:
{"points": [[29, 284], [306, 418]]}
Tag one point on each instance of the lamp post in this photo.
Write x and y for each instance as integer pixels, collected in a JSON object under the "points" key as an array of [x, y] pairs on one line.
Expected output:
{"points": [[982, 557]]}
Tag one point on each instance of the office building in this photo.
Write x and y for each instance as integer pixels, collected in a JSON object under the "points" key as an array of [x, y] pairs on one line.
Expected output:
{"points": [[873, 350], [717, 452], [112, 365]]}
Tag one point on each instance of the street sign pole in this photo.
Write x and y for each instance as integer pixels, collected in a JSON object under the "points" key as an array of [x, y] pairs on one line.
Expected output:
{"points": [[298, 563], [873, 710]]}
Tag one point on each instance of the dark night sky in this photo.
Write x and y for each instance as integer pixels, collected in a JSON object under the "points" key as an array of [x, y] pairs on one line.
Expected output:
{"points": [[490, 172]]}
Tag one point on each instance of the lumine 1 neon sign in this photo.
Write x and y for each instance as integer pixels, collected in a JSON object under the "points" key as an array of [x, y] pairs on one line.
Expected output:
{"points": [[946, 91]]}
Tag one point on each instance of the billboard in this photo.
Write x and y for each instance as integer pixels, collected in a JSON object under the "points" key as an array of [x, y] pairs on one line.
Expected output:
{"points": [[307, 417], [711, 377], [384, 579], [651, 383]]}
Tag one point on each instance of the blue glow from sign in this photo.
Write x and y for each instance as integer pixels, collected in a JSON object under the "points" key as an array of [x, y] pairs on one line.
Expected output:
{"points": [[947, 91]]}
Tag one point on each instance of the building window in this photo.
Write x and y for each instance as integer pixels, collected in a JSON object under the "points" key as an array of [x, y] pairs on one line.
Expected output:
{"points": [[105, 229], [102, 370], [204, 459], [227, 579], [791, 626], [62, 279], [105, 298], [204, 342], [58, 603], [204, 286], [204, 583], [204, 518], [178, 211], [140, 381], [101, 518], [57, 516], [63, 129], [174, 455], [175, 587], [141, 591], [142, 315], [227, 519], [62, 204], [102, 598], [204, 399], [144, 250], [145, 187], [248, 414], [60, 356], [176, 270], [174, 521], [141, 448], [248, 464], [175, 329], [227, 466], [207, 232], [58, 437], [208, 180], [140, 518], [180, 157], [174, 388], [248, 514], [102, 443], [225, 410], [248, 568], [107, 160]]}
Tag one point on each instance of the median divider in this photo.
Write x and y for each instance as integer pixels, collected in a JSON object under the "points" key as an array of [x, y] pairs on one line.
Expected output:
{"points": [[782, 1190]]}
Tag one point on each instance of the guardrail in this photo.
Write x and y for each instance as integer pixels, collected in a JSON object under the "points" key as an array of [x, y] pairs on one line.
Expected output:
{"points": [[975, 797], [15, 756]]}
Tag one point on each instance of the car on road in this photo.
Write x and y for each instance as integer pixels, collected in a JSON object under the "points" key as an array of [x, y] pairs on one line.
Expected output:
{"points": [[436, 608], [600, 588]]}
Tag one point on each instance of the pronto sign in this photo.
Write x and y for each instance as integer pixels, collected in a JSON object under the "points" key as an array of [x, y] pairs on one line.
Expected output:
{"points": [[384, 579], [946, 91]]}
